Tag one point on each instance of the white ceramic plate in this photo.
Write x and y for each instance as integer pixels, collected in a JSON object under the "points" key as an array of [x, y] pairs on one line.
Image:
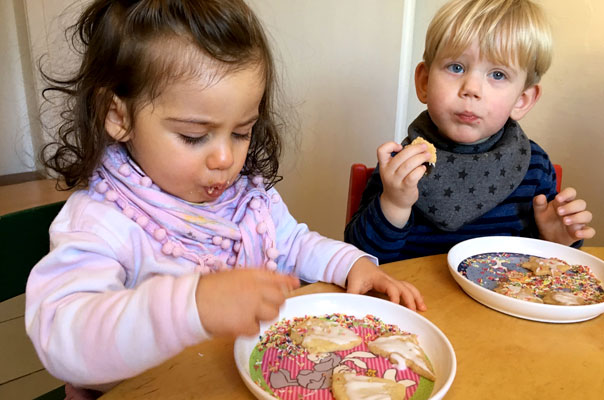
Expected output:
{"points": [[521, 308], [433, 341]]}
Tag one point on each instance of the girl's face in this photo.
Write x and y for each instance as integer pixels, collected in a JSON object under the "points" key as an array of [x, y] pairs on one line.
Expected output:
{"points": [[192, 141], [470, 98]]}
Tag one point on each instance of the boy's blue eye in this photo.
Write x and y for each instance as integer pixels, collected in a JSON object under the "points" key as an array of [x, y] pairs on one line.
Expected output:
{"points": [[498, 75], [455, 68]]}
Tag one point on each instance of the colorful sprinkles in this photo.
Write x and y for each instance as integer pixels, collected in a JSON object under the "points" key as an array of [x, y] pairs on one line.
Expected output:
{"points": [[505, 272]]}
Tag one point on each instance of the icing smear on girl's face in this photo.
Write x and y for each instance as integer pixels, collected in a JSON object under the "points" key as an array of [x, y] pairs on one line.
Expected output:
{"points": [[193, 139]]}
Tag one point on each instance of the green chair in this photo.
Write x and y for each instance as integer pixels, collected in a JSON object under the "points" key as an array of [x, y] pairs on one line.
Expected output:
{"points": [[24, 241]]}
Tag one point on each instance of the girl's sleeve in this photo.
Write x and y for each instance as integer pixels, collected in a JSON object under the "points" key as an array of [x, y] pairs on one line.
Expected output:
{"points": [[370, 230], [89, 327], [307, 254]]}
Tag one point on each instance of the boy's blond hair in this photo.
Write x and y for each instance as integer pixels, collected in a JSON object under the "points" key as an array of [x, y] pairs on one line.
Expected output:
{"points": [[509, 32]]}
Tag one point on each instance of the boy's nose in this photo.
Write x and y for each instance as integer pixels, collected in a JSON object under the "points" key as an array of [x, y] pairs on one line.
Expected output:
{"points": [[221, 157], [471, 87]]}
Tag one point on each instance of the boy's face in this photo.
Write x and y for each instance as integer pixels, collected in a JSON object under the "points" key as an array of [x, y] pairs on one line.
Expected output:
{"points": [[192, 140], [470, 98]]}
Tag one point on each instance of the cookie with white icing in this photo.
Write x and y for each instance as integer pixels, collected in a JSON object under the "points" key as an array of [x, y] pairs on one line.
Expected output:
{"points": [[545, 266], [349, 386], [405, 352], [562, 298], [320, 336]]}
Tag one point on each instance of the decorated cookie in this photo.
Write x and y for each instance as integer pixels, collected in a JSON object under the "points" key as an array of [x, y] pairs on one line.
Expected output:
{"points": [[403, 351], [546, 266], [349, 386], [319, 336], [562, 298]]}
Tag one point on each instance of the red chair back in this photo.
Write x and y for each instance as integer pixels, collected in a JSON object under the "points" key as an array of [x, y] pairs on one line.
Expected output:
{"points": [[360, 173]]}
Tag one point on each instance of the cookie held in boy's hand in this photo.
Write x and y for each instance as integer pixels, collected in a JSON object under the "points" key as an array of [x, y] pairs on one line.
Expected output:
{"points": [[430, 146]]}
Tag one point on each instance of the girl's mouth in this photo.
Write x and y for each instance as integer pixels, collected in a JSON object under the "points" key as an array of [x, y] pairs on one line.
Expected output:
{"points": [[214, 191]]}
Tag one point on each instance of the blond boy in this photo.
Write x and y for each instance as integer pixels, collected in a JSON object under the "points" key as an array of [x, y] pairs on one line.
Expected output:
{"points": [[482, 65]]}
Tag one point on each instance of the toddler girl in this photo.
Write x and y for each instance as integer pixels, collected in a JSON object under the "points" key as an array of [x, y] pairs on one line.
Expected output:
{"points": [[180, 234]]}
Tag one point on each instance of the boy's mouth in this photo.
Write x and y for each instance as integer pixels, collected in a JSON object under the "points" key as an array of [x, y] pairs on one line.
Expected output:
{"points": [[467, 117]]}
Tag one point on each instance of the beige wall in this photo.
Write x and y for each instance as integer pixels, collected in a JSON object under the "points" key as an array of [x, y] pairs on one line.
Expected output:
{"points": [[15, 77], [340, 61]]}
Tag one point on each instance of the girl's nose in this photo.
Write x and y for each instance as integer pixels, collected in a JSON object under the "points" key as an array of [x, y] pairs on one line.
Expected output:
{"points": [[221, 156], [471, 87]]}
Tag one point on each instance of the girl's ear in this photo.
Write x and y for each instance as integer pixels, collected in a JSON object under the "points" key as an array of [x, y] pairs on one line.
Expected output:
{"points": [[527, 99], [117, 124], [421, 82]]}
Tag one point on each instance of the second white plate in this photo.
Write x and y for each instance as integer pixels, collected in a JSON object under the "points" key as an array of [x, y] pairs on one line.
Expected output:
{"points": [[521, 308]]}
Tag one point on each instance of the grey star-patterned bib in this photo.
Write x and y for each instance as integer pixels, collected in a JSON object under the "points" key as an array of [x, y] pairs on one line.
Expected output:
{"points": [[469, 180]]}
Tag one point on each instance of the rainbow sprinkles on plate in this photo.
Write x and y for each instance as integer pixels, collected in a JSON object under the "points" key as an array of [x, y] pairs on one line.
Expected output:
{"points": [[534, 279], [337, 356]]}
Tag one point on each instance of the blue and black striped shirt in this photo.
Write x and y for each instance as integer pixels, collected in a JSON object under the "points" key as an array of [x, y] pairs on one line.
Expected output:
{"points": [[370, 231]]}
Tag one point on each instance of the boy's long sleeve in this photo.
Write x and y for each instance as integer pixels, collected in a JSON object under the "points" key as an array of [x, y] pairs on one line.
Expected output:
{"points": [[371, 232]]}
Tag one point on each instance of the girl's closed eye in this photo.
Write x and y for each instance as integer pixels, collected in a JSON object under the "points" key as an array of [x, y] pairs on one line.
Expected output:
{"points": [[192, 140], [243, 136]]}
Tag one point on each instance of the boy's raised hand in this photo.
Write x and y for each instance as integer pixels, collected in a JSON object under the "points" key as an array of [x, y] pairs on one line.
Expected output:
{"points": [[400, 174], [234, 302], [364, 276], [564, 219]]}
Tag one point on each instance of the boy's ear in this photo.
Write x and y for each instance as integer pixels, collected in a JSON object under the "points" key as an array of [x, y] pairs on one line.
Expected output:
{"points": [[421, 82], [527, 99], [117, 124]]}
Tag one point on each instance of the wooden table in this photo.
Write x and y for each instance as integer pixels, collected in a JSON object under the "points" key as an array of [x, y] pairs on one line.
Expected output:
{"points": [[498, 356], [30, 194]]}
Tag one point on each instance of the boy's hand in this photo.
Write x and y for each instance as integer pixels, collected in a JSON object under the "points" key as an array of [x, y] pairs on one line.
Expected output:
{"points": [[234, 302], [364, 276], [400, 175], [564, 219]]}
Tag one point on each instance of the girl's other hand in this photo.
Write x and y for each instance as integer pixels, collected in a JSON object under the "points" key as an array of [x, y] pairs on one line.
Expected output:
{"points": [[234, 302], [400, 174], [564, 219], [364, 276]]}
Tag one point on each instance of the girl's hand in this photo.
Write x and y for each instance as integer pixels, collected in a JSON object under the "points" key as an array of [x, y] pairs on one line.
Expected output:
{"points": [[400, 175], [563, 220], [364, 276], [234, 302]]}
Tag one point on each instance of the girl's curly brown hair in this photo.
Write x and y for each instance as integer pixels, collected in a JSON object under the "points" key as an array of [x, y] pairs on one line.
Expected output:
{"points": [[133, 49]]}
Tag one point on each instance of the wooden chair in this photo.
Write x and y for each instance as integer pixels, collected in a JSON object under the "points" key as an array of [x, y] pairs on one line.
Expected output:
{"points": [[360, 173], [24, 241]]}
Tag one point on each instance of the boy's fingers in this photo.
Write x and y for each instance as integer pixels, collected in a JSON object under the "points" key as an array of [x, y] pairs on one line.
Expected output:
{"points": [[384, 152], [540, 203]]}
